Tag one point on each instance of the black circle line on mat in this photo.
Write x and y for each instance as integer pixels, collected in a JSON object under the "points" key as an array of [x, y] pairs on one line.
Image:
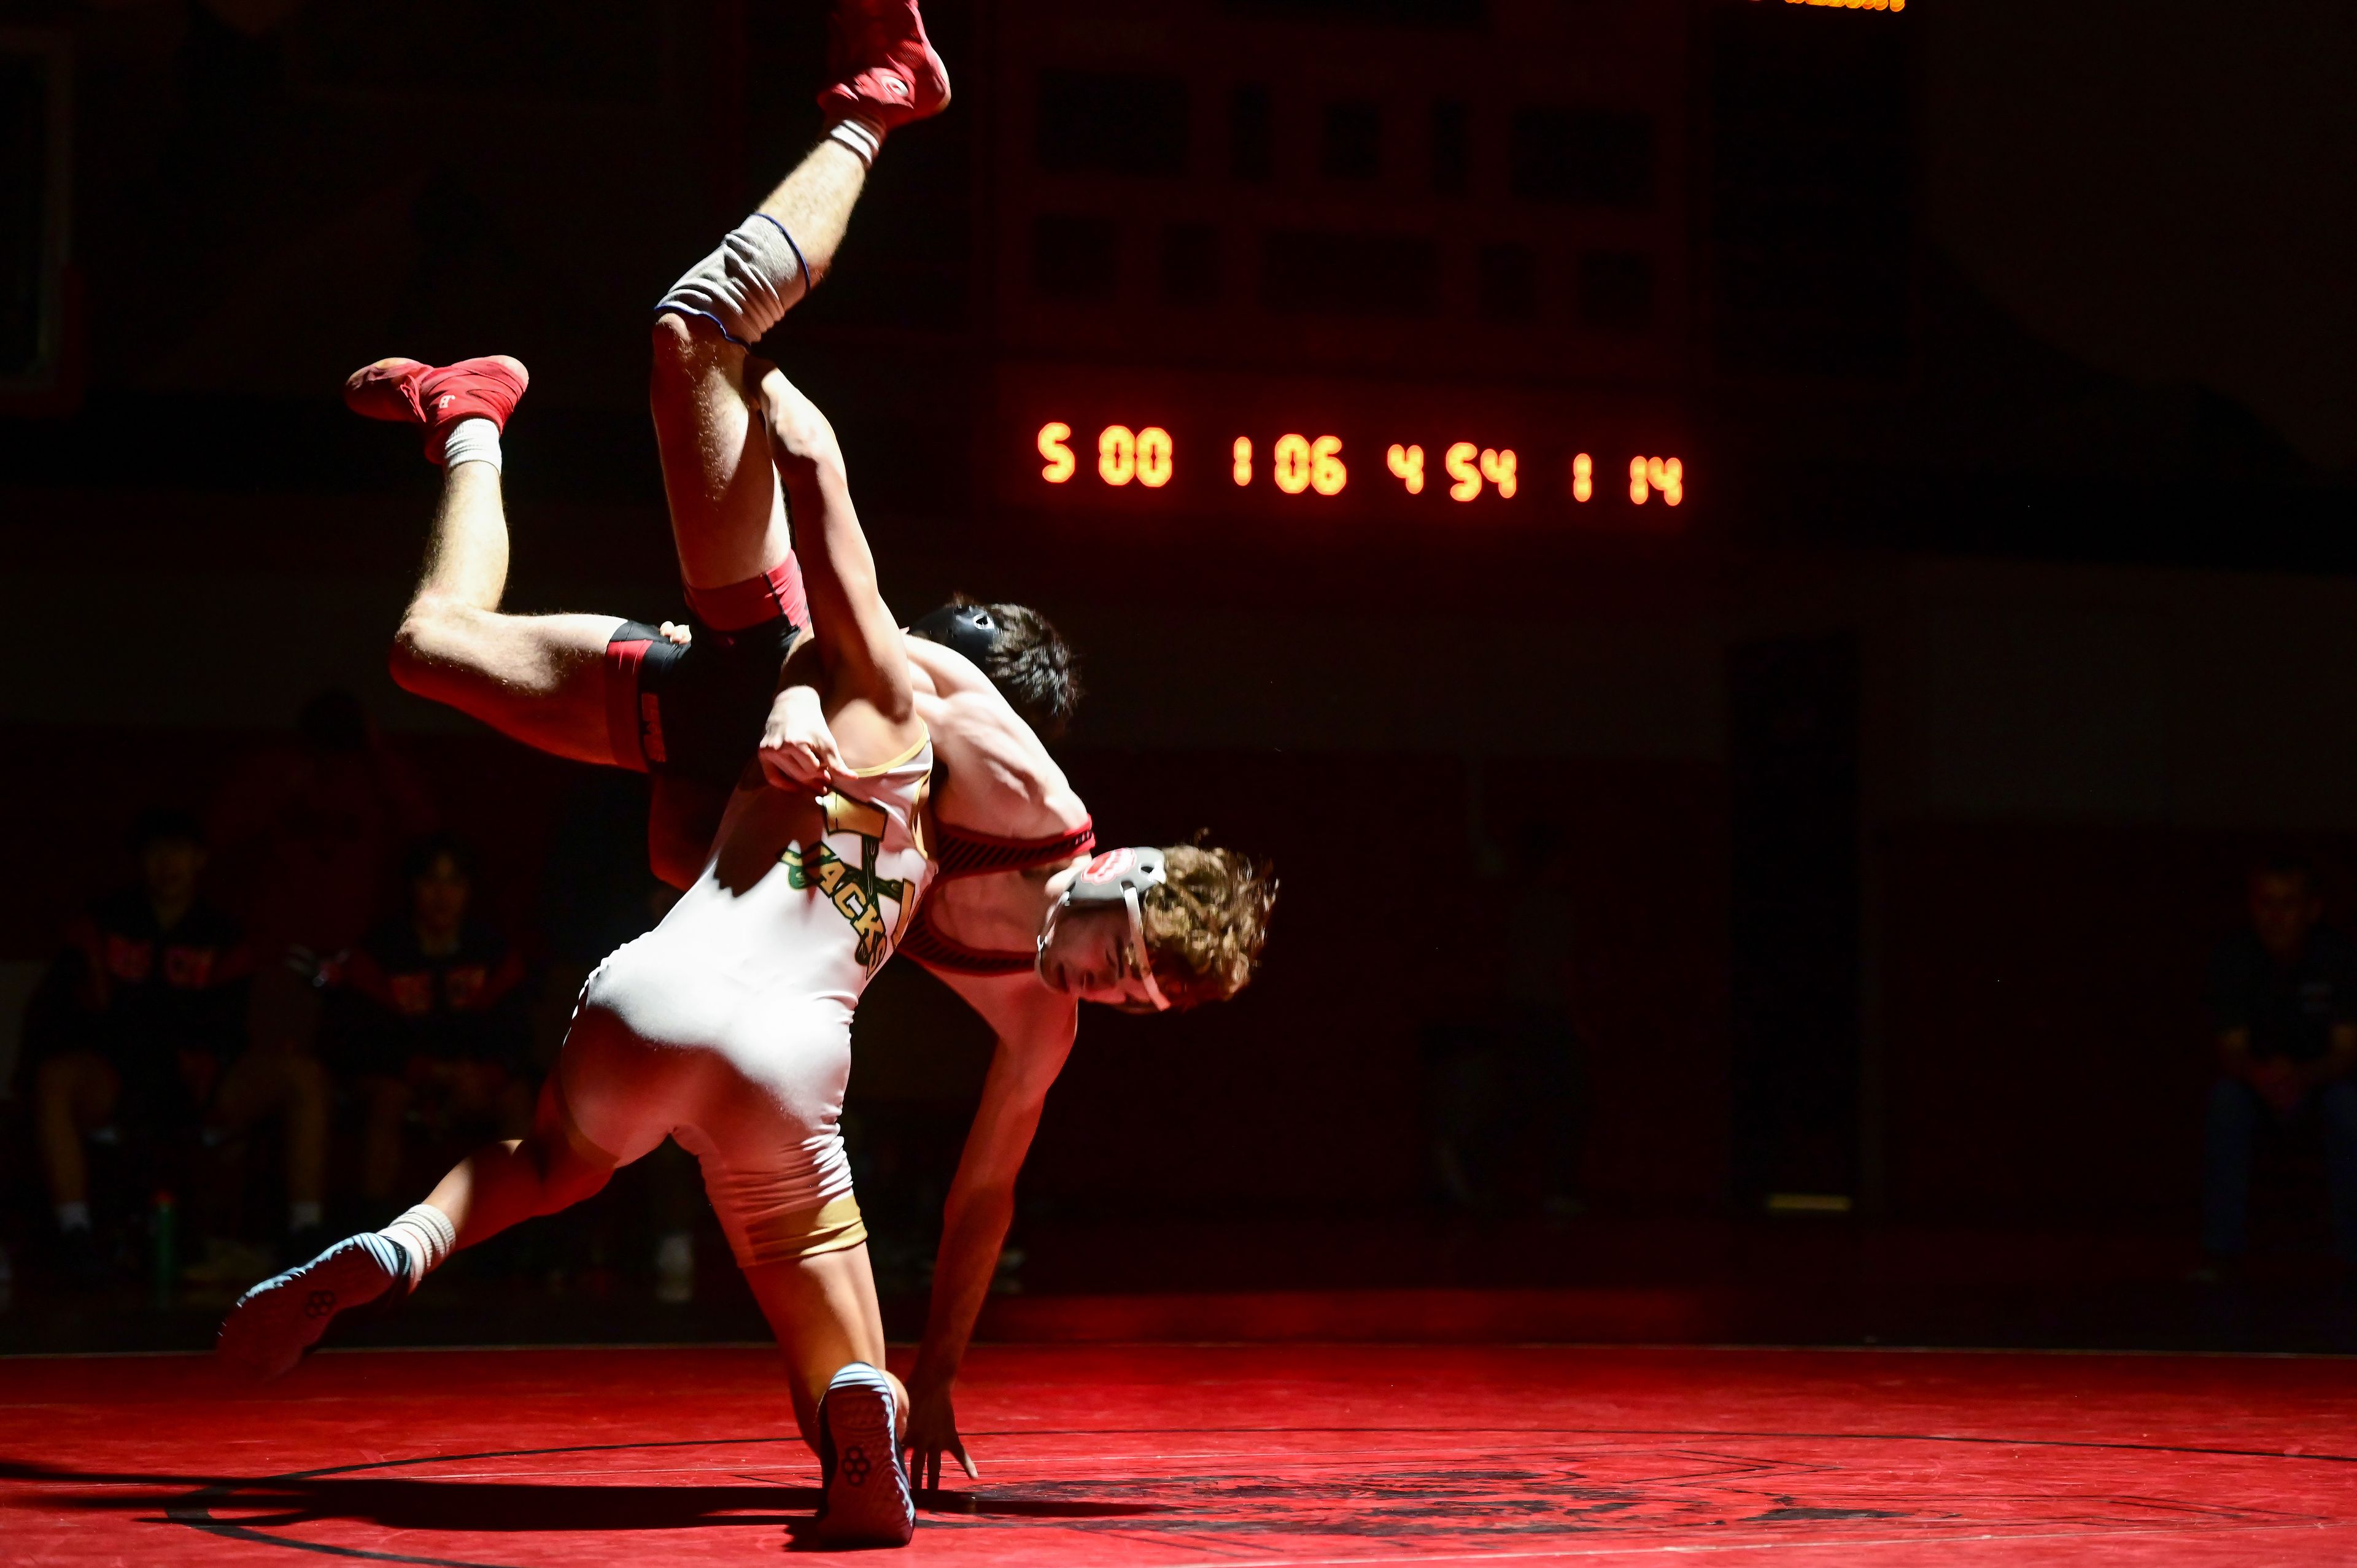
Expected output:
{"points": [[195, 1510]]}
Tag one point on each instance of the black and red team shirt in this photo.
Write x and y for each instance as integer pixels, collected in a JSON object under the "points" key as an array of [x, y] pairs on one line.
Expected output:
{"points": [[2290, 1008], [144, 996], [397, 1003]]}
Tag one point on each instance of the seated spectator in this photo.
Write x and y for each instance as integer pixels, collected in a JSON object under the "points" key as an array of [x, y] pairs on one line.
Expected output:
{"points": [[139, 1032], [309, 835], [431, 1018], [2285, 995]]}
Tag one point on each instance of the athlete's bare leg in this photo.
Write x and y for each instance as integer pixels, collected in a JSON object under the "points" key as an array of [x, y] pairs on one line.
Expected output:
{"points": [[77, 1092], [542, 679], [822, 1309], [539, 679], [727, 518], [514, 1179], [727, 514], [498, 1186]]}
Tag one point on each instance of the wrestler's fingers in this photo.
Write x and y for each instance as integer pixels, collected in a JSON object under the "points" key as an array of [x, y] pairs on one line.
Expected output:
{"points": [[972, 1470], [790, 767], [933, 1471]]}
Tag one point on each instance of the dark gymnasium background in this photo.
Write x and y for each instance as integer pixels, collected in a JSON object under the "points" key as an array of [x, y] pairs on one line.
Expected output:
{"points": [[1811, 544]]}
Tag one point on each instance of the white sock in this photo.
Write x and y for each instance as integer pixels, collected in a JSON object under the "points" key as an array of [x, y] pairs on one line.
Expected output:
{"points": [[426, 1237], [305, 1215], [864, 139], [73, 1217], [471, 441]]}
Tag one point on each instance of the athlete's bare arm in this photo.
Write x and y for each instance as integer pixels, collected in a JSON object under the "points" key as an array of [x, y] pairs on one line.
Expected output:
{"points": [[1034, 1027], [540, 679], [1006, 782], [862, 660]]}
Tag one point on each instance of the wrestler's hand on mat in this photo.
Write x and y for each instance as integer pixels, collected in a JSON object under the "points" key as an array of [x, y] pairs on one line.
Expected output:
{"points": [[798, 750], [678, 636], [933, 1432]]}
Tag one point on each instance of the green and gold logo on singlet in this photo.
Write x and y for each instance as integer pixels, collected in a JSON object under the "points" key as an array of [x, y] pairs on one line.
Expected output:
{"points": [[857, 891]]}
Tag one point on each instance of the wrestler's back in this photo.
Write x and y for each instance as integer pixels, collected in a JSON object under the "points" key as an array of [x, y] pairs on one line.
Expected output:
{"points": [[995, 777], [797, 906]]}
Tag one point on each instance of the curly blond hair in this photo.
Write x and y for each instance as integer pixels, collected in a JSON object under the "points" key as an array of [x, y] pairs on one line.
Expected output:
{"points": [[1206, 925]]}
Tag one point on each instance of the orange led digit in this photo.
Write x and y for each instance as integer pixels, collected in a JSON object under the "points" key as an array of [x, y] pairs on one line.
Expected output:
{"points": [[1154, 456], [1668, 476], [1498, 467], [1116, 455], [1459, 461], [1636, 492], [1406, 464], [1327, 474], [1583, 476], [1241, 454], [1061, 461], [1292, 464]]}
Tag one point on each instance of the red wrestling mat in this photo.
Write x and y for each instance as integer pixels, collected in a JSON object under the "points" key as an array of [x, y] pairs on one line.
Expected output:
{"points": [[1277, 1454]]}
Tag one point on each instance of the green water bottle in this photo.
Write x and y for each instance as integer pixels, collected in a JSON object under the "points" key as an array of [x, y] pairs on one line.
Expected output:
{"points": [[164, 1234]]}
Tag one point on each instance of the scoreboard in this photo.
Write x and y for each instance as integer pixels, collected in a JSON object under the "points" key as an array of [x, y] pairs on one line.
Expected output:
{"points": [[1143, 445]]}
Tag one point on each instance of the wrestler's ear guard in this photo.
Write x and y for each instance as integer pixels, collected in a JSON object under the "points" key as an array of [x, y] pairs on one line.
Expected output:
{"points": [[970, 630], [1118, 877]]}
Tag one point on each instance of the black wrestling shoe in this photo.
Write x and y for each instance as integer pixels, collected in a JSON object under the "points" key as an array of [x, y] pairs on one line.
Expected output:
{"points": [[867, 1501], [276, 1322]]}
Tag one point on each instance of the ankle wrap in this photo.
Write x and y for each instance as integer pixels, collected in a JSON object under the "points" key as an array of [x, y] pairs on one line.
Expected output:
{"points": [[426, 1237]]}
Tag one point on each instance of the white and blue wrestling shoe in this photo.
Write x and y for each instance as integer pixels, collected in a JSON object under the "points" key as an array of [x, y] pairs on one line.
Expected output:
{"points": [[276, 1322], [867, 1500]]}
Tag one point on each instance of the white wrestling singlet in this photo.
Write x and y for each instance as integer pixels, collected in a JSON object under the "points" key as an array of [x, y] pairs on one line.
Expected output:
{"points": [[728, 1026]]}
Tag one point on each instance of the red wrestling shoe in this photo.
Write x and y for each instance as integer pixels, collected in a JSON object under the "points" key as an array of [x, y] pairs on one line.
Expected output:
{"points": [[885, 72], [404, 391]]}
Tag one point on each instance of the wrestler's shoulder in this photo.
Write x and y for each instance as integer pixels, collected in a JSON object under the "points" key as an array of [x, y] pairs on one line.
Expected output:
{"points": [[984, 792], [941, 671]]}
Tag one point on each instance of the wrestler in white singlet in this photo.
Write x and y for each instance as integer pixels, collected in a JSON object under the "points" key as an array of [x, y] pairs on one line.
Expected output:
{"points": [[728, 1026]]}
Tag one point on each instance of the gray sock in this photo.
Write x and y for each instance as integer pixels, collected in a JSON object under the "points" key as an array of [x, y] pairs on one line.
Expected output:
{"points": [[747, 285]]}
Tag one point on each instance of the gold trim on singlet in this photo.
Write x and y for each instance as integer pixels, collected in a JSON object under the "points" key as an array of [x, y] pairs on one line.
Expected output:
{"points": [[832, 1227], [845, 815], [924, 739], [921, 818]]}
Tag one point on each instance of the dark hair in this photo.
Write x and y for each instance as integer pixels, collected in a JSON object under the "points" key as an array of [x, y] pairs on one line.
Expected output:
{"points": [[1032, 667], [420, 857], [333, 721], [2290, 866], [165, 824]]}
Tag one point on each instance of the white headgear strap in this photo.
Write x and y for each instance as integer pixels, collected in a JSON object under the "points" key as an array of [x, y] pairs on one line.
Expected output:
{"points": [[1117, 877]]}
